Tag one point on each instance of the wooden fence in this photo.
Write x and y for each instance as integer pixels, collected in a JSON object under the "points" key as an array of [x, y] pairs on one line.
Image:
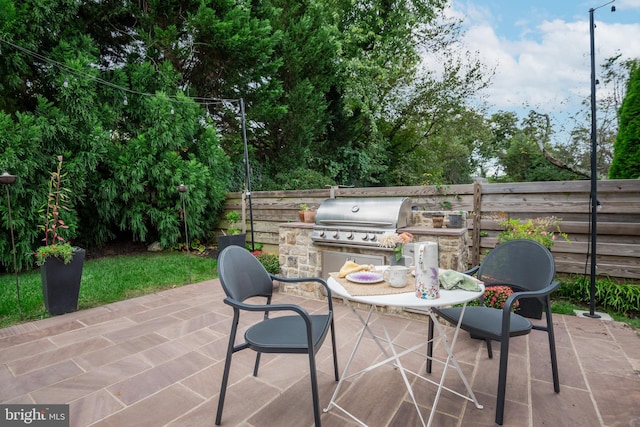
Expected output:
{"points": [[618, 220]]}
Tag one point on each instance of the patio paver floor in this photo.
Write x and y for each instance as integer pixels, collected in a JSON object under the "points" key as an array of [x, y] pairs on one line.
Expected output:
{"points": [[157, 360]]}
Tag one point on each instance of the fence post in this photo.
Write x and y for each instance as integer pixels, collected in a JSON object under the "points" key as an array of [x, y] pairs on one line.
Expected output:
{"points": [[475, 231]]}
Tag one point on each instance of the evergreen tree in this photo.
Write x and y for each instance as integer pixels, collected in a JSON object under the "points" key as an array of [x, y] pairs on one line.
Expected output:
{"points": [[105, 108], [626, 150]]}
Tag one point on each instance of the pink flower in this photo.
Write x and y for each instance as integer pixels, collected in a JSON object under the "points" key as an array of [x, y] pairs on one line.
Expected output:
{"points": [[405, 237]]}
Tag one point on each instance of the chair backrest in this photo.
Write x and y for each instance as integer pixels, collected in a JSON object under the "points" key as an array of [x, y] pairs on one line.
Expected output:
{"points": [[242, 275], [521, 262]]}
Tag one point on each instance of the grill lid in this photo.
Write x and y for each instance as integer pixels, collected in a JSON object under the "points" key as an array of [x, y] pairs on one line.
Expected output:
{"points": [[359, 222], [376, 212]]}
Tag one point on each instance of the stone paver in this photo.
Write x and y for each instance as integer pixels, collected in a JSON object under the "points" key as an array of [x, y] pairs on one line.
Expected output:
{"points": [[157, 360]]}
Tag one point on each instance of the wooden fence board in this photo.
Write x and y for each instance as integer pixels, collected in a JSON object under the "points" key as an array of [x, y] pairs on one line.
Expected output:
{"points": [[618, 244]]}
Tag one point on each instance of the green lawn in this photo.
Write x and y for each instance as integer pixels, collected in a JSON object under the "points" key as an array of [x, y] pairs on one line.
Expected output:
{"points": [[111, 279], [106, 280]]}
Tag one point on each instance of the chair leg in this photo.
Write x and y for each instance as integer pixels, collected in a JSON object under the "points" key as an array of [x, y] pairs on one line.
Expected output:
{"points": [[227, 368], [257, 365], [335, 353], [430, 346], [552, 347], [314, 388], [489, 349], [223, 388], [502, 379]]}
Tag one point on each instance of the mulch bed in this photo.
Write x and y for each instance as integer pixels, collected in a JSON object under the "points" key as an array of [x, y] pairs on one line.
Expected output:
{"points": [[121, 247]]}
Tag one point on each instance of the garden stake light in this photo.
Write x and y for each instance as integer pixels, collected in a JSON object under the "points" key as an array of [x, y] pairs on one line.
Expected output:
{"points": [[7, 179], [183, 190]]}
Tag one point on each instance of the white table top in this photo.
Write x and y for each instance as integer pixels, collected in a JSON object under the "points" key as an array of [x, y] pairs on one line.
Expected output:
{"points": [[407, 299]]}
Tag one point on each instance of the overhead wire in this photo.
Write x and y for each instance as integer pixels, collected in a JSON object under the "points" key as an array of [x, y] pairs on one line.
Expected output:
{"points": [[79, 73], [205, 101]]}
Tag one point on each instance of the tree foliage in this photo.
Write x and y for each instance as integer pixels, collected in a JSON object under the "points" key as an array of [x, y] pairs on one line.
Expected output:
{"points": [[123, 161], [140, 97], [626, 159]]}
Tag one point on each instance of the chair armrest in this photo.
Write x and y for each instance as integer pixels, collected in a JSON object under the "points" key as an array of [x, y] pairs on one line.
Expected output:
{"points": [[472, 271], [267, 307], [506, 310], [529, 294]]}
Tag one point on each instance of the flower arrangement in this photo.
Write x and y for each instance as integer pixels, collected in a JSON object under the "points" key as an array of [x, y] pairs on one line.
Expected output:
{"points": [[395, 241], [496, 296], [55, 245], [544, 230]]}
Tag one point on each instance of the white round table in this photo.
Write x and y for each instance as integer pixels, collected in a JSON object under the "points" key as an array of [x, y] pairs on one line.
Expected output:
{"points": [[406, 299]]}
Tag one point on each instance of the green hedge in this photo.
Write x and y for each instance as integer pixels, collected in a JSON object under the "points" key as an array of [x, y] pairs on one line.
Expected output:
{"points": [[621, 298]]}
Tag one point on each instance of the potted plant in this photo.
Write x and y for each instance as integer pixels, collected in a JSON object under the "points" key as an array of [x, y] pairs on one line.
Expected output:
{"points": [[60, 263], [233, 235], [438, 220], [270, 262], [303, 209], [309, 214], [455, 220], [544, 230]]}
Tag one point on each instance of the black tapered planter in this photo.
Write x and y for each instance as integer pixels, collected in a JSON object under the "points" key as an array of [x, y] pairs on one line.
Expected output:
{"points": [[61, 283], [530, 308], [229, 240]]}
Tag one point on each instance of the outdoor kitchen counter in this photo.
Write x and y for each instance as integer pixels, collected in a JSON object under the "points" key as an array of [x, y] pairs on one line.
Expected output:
{"points": [[299, 256]]}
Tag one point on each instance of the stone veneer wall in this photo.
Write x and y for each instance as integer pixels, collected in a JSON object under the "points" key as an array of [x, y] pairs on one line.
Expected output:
{"points": [[299, 257]]}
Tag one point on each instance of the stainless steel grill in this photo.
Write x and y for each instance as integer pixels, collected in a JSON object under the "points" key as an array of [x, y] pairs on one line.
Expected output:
{"points": [[359, 222]]}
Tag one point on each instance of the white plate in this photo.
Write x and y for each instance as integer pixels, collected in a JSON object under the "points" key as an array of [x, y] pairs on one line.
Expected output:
{"points": [[365, 277]]}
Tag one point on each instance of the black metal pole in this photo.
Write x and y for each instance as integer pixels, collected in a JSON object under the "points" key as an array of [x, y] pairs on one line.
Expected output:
{"points": [[594, 174], [594, 167], [246, 168]]}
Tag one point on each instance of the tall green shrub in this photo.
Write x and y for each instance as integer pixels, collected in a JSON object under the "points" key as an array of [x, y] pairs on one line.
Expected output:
{"points": [[626, 150], [137, 189], [124, 160]]}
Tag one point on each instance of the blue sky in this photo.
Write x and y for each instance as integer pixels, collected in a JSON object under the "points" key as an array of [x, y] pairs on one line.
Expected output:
{"points": [[540, 49]]}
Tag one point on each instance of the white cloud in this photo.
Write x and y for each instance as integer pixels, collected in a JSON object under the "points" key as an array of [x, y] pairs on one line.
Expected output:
{"points": [[547, 65], [628, 4]]}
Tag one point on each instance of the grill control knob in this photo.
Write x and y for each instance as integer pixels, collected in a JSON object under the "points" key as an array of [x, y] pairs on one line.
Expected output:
{"points": [[365, 237], [350, 235], [372, 237], [335, 234], [322, 234]]}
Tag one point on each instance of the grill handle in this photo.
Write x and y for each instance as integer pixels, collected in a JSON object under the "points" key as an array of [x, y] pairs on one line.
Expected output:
{"points": [[356, 224]]}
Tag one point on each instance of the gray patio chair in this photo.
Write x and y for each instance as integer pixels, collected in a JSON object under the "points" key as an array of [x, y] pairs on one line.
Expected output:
{"points": [[243, 277], [529, 269]]}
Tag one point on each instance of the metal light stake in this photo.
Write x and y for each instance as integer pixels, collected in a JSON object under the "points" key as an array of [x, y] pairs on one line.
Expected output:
{"points": [[247, 169], [7, 179], [183, 189]]}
